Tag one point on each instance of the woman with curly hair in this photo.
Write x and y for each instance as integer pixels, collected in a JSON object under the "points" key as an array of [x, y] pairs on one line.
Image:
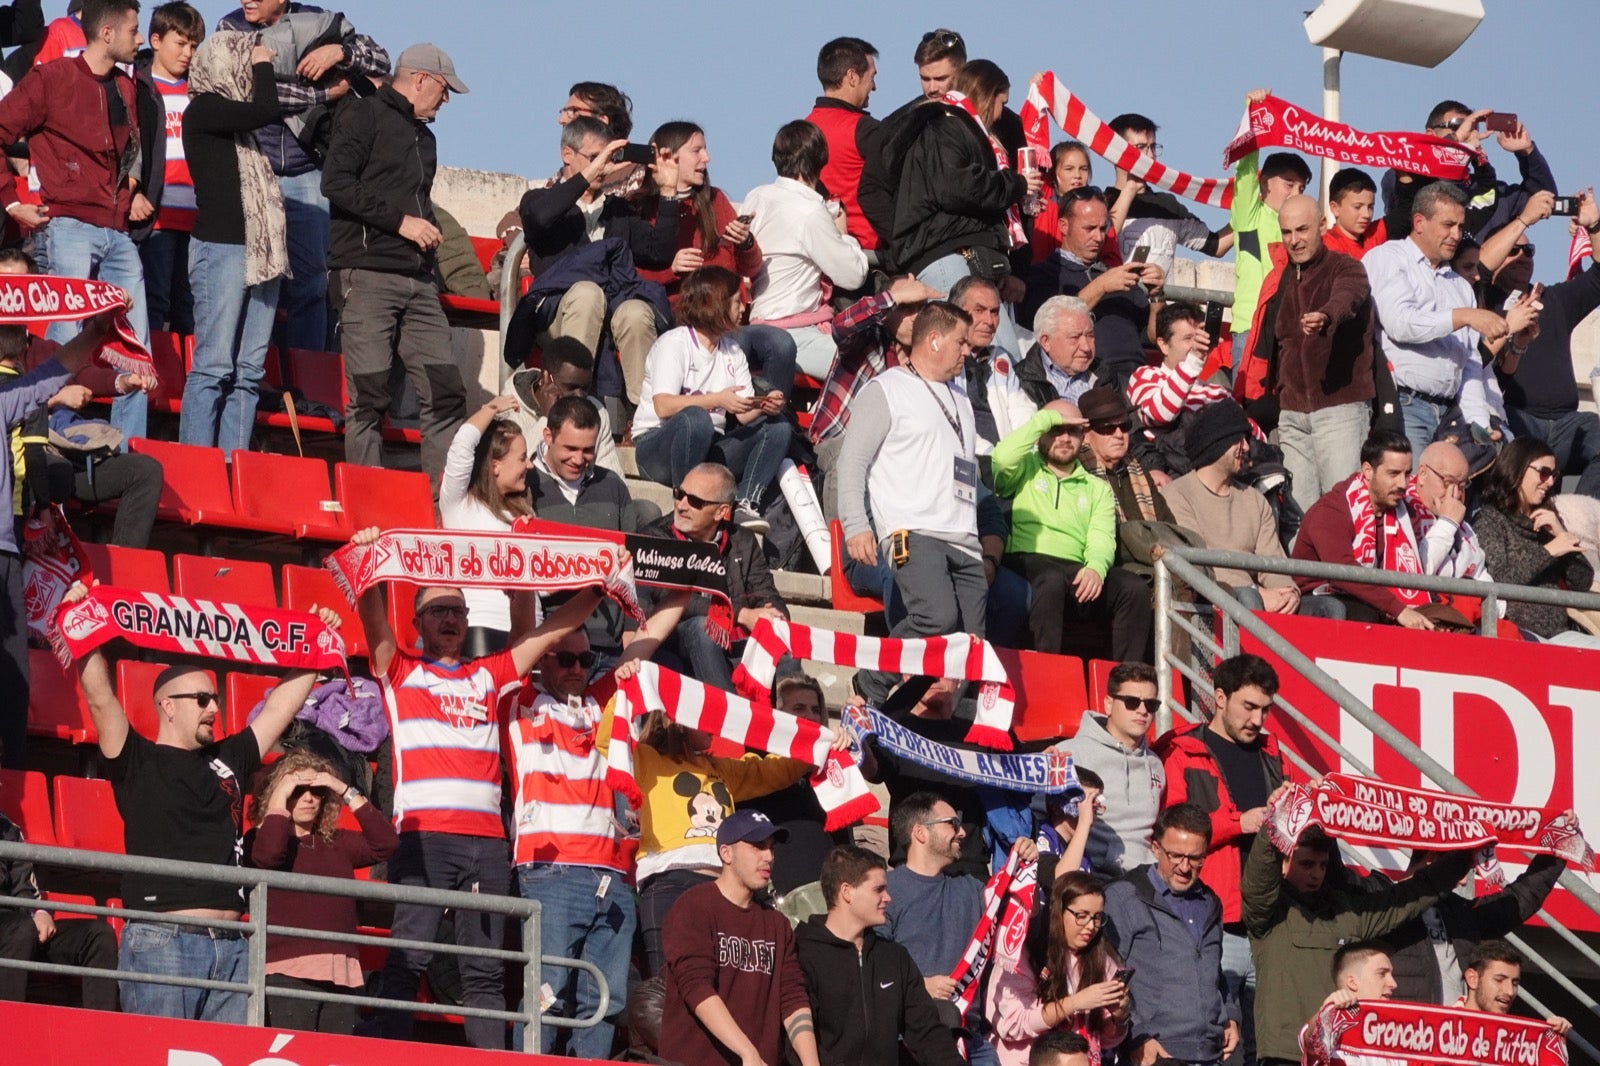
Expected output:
{"points": [[296, 811], [1065, 979], [485, 487]]}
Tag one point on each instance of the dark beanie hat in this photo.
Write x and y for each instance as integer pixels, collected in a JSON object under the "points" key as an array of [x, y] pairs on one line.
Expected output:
{"points": [[1214, 429]]}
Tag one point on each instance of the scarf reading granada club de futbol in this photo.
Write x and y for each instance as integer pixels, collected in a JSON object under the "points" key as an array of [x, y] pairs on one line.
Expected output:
{"points": [[839, 786], [1378, 1030], [179, 626], [29, 298]]}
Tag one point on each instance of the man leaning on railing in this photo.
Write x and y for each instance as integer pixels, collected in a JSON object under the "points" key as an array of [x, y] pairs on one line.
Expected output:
{"points": [[182, 797]]}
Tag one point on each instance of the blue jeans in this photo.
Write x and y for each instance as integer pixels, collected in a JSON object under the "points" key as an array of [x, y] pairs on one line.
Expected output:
{"points": [[168, 302], [579, 922], [1310, 606], [156, 948], [1574, 437], [771, 353], [1239, 980], [753, 451], [1421, 417], [305, 294], [69, 248], [234, 324], [941, 274]]}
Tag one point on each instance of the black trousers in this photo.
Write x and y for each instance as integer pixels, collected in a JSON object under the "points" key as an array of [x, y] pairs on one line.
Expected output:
{"points": [[13, 666], [310, 1016], [1123, 603], [78, 942], [134, 481]]}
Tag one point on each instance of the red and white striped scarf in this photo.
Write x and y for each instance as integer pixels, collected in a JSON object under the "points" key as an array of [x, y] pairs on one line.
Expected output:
{"points": [[1014, 229], [1364, 517], [960, 655], [1580, 249], [1010, 888], [29, 298], [1048, 98], [177, 626], [840, 788]]}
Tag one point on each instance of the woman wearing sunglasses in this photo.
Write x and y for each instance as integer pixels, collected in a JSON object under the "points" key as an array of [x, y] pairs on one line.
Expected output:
{"points": [[485, 488], [1064, 979], [296, 811], [1524, 541]]}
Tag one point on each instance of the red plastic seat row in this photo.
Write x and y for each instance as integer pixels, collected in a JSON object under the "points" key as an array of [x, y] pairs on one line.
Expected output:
{"points": [[284, 495]]}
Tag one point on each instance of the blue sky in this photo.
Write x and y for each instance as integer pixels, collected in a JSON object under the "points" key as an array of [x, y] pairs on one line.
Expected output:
{"points": [[742, 69]]}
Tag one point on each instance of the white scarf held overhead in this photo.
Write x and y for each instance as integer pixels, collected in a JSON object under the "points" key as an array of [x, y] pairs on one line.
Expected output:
{"points": [[960, 655]]}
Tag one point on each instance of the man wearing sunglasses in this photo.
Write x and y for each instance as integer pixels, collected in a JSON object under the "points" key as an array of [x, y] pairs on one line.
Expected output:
{"points": [[445, 715], [1116, 745], [1166, 923], [1493, 202], [181, 795], [702, 511]]}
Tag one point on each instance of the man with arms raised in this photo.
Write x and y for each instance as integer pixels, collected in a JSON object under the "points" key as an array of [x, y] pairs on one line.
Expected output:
{"points": [[181, 796], [863, 1018], [1493, 979], [444, 717]]}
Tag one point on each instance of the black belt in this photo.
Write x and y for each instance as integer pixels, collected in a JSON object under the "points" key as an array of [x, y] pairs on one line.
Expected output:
{"points": [[1442, 401], [199, 930]]}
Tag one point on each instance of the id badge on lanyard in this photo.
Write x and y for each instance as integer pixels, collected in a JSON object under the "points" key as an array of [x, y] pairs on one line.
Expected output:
{"points": [[965, 480]]}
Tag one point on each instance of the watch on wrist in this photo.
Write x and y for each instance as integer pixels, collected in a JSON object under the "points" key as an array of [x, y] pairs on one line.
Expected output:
{"points": [[351, 794]]}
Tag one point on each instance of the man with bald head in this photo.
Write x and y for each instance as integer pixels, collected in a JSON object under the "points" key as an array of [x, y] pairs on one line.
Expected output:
{"points": [[1064, 535], [1318, 340], [445, 716], [181, 796]]}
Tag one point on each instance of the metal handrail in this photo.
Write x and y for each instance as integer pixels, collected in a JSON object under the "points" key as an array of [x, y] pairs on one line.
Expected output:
{"points": [[256, 929], [1183, 563], [510, 284]]}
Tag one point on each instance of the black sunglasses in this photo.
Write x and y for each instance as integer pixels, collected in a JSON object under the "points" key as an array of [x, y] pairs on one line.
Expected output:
{"points": [[695, 501], [1108, 428], [945, 39], [203, 699], [568, 659], [1518, 249], [1083, 192], [1133, 703], [1453, 124]]}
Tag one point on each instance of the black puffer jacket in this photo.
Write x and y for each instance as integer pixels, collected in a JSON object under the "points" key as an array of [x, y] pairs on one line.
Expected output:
{"points": [[952, 193], [379, 169], [865, 1003]]}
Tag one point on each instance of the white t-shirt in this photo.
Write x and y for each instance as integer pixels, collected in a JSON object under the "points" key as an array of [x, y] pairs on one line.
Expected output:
{"points": [[680, 365]]}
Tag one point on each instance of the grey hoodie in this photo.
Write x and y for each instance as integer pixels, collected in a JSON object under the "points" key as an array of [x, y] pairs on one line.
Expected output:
{"points": [[1119, 840]]}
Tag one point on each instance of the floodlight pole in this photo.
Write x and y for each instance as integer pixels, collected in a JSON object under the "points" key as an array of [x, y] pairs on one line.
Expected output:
{"points": [[1330, 111]]}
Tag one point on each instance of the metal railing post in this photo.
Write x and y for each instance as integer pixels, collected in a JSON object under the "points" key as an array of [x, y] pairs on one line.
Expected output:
{"points": [[1163, 606], [510, 293], [256, 1013], [532, 980], [1489, 622]]}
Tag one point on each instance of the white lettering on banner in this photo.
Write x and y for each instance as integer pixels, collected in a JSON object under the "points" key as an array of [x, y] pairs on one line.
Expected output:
{"points": [[1536, 754]]}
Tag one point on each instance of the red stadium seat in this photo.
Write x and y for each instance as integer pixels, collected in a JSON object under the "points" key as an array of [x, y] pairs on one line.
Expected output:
{"points": [[1051, 697], [195, 489], [402, 618], [388, 499], [320, 375], [244, 691], [305, 586], [170, 352], [136, 691], [844, 597], [87, 815], [468, 310], [286, 488], [132, 568], [25, 799], [56, 707], [202, 577]]}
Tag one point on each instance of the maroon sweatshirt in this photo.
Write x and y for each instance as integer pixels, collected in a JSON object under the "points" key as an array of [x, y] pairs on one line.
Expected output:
{"points": [[746, 956], [272, 845]]}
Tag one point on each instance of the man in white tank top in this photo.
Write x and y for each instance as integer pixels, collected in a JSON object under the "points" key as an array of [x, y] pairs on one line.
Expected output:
{"points": [[911, 448]]}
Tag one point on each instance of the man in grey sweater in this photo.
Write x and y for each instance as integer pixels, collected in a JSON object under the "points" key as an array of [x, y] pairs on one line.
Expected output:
{"points": [[1116, 746]]}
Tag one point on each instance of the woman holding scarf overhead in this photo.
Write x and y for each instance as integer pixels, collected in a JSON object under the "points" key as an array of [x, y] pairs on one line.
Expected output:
{"points": [[1064, 979], [239, 252], [956, 211]]}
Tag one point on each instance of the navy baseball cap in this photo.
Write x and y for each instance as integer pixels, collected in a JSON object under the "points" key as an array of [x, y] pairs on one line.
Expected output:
{"points": [[752, 827]]}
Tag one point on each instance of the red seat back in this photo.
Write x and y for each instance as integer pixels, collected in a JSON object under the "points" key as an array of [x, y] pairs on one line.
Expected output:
{"points": [[402, 616], [487, 248], [170, 352], [844, 597], [87, 815], [243, 693], [56, 707], [25, 799], [320, 375], [194, 488], [287, 488], [388, 499], [201, 577], [1051, 696], [130, 568], [308, 586]]}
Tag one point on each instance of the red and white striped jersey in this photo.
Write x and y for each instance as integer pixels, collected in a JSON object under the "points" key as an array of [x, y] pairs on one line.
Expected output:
{"points": [[565, 812], [447, 742], [1162, 393], [177, 195]]}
